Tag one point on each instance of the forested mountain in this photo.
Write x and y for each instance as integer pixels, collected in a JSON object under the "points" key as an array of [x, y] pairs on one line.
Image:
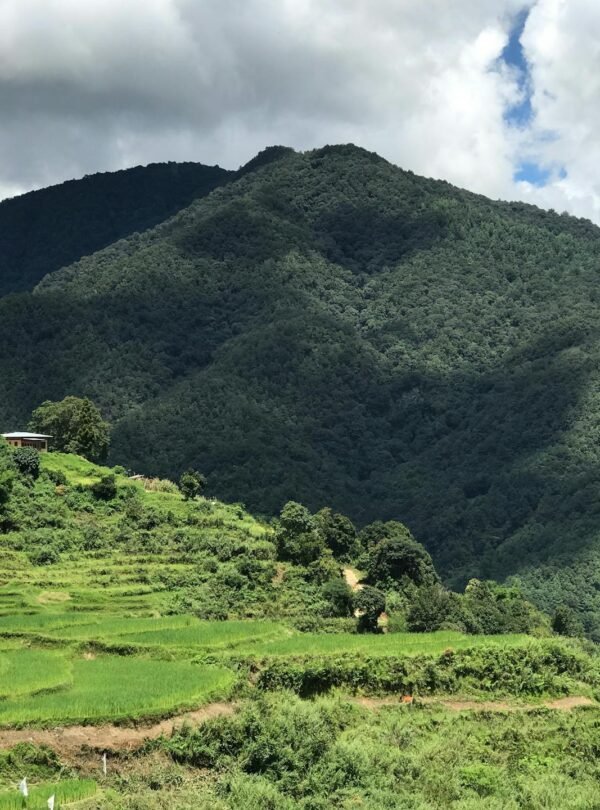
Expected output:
{"points": [[45, 230], [330, 328]]}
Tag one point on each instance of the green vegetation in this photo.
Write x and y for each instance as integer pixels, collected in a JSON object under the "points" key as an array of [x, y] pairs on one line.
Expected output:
{"points": [[506, 666], [120, 688], [331, 329], [288, 754], [76, 426], [85, 538], [191, 484], [45, 230], [122, 601], [66, 792], [30, 671]]}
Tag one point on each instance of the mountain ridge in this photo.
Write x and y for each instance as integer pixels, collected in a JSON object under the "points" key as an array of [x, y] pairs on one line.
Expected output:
{"points": [[45, 229], [330, 327]]}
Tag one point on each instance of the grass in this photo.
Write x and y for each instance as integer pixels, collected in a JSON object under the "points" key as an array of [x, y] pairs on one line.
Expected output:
{"points": [[210, 635], [40, 623], [27, 671], [385, 644], [120, 579], [102, 626], [256, 638], [179, 631], [112, 688], [66, 792], [82, 472]]}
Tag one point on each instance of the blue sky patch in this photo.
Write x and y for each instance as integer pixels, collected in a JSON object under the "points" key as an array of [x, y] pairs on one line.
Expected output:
{"points": [[513, 55], [533, 173]]}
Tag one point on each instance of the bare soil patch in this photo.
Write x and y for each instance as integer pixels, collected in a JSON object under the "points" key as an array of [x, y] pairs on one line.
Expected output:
{"points": [[564, 704], [69, 740]]}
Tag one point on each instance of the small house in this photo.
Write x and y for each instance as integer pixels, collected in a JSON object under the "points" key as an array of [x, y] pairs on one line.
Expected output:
{"points": [[39, 441]]}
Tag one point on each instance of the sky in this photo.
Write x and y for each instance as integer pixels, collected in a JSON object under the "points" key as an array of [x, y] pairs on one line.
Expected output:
{"points": [[498, 96]]}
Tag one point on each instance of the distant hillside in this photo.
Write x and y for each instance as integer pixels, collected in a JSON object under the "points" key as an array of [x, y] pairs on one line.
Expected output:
{"points": [[45, 230], [331, 328]]}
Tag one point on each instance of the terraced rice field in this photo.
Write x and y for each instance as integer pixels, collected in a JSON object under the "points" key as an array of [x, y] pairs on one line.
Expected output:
{"points": [[29, 671], [307, 644], [112, 688], [65, 792]]}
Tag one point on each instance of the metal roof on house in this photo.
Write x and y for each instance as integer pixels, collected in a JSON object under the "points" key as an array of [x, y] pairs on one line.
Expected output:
{"points": [[21, 435]]}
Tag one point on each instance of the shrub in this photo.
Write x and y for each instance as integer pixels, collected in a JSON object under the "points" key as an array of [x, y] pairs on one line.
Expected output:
{"points": [[160, 485], [105, 489], [429, 609], [191, 484], [46, 555], [57, 477], [298, 537], [369, 604], [27, 461], [338, 532], [566, 623], [76, 426], [6, 485], [400, 560], [338, 597]]}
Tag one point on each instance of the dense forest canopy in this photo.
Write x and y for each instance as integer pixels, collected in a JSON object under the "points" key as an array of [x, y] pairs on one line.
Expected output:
{"points": [[48, 229], [329, 328]]}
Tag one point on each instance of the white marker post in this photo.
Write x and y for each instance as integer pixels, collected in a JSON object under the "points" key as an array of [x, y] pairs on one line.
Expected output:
{"points": [[104, 764], [51, 802], [23, 789]]}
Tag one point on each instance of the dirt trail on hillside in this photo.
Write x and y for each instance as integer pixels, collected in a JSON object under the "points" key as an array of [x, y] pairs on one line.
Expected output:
{"points": [[564, 704], [69, 740]]}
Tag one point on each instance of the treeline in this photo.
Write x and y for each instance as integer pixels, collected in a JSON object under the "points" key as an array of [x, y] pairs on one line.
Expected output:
{"points": [[400, 581]]}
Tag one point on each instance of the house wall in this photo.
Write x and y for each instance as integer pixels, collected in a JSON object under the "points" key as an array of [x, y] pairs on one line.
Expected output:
{"points": [[37, 444]]}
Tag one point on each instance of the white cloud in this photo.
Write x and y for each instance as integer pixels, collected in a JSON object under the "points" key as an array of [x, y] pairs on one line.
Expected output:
{"points": [[561, 42], [92, 85]]}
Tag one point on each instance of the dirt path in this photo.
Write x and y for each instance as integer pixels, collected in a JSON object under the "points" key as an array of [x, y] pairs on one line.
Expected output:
{"points": [[564, 704], [352, 579], [71, 739]]}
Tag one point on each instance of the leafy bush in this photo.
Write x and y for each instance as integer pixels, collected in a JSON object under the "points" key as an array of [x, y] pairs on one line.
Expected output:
{"points": [[298, 537], [46, 555], [105, 489], [27, 461], [534, 670], [566, 623], [398, 560], [338, 596], [191, 484], [76, 426], [369, 603]]}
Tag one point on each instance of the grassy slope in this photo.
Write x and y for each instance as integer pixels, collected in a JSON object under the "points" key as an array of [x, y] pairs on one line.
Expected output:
{"points": [[120, 579], [117, 597], [294, 755]]}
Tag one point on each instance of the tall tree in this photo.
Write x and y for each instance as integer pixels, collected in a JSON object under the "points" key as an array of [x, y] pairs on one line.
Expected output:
{"points": [[76, 426]]}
